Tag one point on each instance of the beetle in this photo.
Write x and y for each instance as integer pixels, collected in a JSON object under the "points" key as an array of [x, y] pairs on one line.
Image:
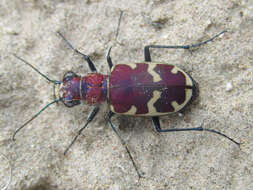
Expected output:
{"points": [[136, 89]]}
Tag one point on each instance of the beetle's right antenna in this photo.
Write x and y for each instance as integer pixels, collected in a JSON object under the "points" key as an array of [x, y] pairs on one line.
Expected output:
{"points": [[36, 115]]}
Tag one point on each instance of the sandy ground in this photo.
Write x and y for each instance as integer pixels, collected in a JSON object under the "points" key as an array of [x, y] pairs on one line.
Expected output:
{"points": [[188, 160]]}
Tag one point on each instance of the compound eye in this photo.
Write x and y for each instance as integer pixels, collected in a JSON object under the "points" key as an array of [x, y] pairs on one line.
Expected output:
{"points": [[69, 76], [71, 103]]}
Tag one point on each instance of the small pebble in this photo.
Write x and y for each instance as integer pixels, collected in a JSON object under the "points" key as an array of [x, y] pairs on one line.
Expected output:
{"points": [[229, 86]]}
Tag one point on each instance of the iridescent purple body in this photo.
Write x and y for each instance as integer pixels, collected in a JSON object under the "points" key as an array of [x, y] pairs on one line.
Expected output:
{"points": [[144, 89], [149, 89]]}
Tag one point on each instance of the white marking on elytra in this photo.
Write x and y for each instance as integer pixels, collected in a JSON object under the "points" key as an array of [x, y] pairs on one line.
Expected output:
{"points": [[188, 92], [133, 66], [112, 108], [132, 111], [174, 70], [151, 71], [150, 104], [187, 78]]}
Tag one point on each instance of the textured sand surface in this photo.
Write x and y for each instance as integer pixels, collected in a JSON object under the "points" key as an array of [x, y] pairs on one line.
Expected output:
{"points": [[188, 160]]}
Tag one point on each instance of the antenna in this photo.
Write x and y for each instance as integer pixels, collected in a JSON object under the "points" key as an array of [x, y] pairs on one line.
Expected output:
{"points": [[36, 115], [45, 107], [43, 75]]}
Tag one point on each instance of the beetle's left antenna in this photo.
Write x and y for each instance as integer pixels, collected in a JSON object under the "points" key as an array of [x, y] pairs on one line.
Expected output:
{"points": [[43, 75], [45, 107]]}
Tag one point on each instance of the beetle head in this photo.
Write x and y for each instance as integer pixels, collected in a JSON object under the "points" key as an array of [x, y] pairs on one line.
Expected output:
{"points": [[69, 90]]}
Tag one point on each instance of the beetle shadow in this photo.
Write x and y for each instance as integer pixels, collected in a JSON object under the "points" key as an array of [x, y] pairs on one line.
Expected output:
{"points": [[128, 124]]}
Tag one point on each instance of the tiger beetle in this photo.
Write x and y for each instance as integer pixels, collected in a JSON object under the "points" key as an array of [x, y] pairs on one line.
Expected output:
{"points": [[136, 89]]}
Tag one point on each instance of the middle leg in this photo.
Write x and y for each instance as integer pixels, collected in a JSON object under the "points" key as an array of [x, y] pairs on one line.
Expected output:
{"points": [[108, 118]]}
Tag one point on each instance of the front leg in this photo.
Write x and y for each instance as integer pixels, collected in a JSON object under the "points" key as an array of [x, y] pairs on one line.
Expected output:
{"points": [[108, 58], [86, 57], [89, 119]]}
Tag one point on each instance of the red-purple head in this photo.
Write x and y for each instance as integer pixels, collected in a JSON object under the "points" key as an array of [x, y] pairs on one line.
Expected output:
{"points": [[92, 89]]}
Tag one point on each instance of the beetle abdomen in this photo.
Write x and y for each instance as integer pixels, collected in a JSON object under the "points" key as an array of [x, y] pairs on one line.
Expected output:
{"points": [[149, 89]]}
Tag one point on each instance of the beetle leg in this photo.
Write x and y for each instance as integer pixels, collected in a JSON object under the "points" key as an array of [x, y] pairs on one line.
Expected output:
{"points": [[117, 31], [108, 118], [90, 118], [156, 123], [86, 57], [147, 52], [109, 60], [108, 57]]}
